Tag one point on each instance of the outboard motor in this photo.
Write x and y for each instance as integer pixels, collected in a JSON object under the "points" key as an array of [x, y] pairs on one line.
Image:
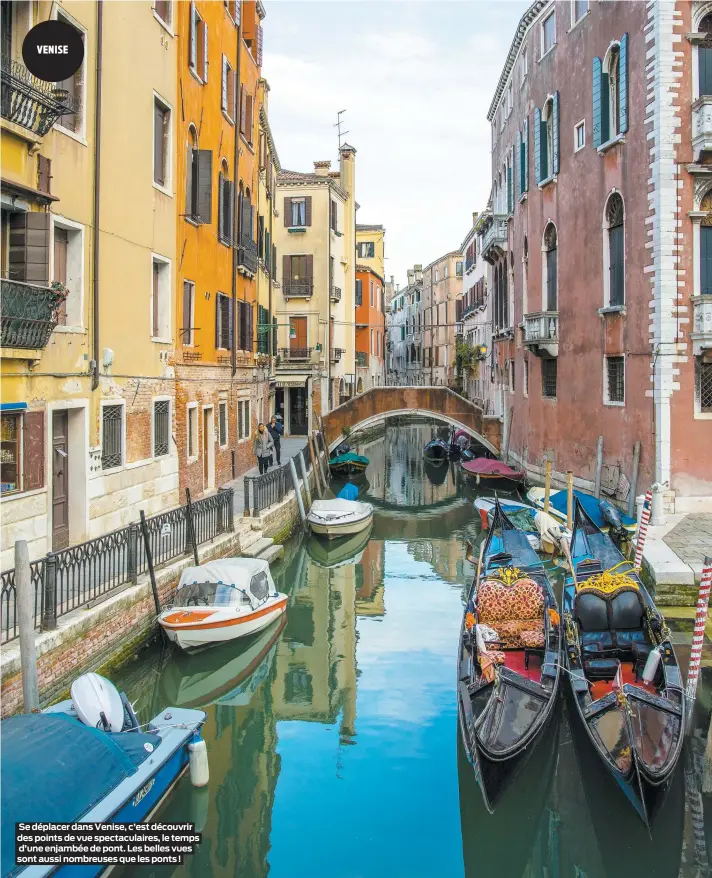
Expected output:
{"points": [[467, 454], [612, 517], [98, 704]]}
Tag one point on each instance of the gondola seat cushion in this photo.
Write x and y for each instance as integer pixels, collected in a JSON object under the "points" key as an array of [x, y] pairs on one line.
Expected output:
{"points": [[626, 611], [520, 633], [515, 611], [596, 643], [601, 668]]}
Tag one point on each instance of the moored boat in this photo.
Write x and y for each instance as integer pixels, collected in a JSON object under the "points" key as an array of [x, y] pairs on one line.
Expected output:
{"points": [[88, 760], [601, 512], [222, 600], [349, 464], [508, 659], [339, 518], [543, 532], [492, 472], [437, 450], [625, 680]]}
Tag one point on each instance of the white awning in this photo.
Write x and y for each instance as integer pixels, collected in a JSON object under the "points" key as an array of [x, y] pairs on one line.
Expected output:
{"points": [[292, 380]]}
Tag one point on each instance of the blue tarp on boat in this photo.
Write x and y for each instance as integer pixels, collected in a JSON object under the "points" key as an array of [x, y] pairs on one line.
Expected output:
{"points": [[55, 769], [590, 505], [348, 492]]}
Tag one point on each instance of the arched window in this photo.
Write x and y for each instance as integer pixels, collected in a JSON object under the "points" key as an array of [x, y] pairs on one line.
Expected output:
{"points": [[616, 250], [613, 72], [226, 201], [547, 151], [704, 56], [550, 268], [191, 174], [246, 218], [706, 246]]}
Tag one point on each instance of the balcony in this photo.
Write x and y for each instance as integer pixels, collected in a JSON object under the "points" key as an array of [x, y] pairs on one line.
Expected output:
{"points": [[247, 256], [29, 314], [701, 334], [298, 289], [29, 102], [494, 240], [361, 359], [541, 332], [336, 294], [295, 357], [701, 126], [337, 354]]}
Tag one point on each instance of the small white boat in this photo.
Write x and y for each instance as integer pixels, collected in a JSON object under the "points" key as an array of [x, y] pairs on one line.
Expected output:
{"points": [[222, 600], [339, 518]]}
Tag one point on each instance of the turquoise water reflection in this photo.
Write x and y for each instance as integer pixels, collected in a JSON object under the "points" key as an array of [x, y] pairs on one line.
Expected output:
{"points": [[333, 739]]}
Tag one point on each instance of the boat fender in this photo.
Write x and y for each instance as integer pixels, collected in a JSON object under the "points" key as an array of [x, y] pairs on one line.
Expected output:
{"points": [[651, 665], [198, 761]]}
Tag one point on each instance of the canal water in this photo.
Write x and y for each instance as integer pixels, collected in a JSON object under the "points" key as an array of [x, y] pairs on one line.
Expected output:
{"points": [[333, 741]]}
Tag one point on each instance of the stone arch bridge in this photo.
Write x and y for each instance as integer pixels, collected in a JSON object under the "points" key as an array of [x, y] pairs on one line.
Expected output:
{"points": [[440, 403]]}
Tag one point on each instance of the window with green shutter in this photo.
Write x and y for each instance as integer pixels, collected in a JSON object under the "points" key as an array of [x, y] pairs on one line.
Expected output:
{"points": [[704, 57]]}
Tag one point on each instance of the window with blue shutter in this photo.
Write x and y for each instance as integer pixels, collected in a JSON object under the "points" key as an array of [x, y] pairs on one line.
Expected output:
{"points": [[510, 203], [555, 134], [596, 92], [706, 260], [537, 146], [518, 166], [525, 156], [544, 146], [623, 87]]}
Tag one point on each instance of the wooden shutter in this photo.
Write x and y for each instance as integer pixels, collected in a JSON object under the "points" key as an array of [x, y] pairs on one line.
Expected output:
{"points": [[510, 200], [221, 226], [605, 109], [286, 269], [158, 158], [218, 322], [706, 260], [704, 58], [44, 174], [259, 45], [231, 205], [307, 210], [555, 134], [551, 296], [61, 242], [616, 256], [623, 86], [205, 51], [192, 50], [287, 212], [525, 158], [268, 252], [223, 93], [537, 145], [274, 262], [517, 167], [310, 269], [596, 96], [156, 281], [260, 237], [33, 453], [205, 186], [250, 326], [231, 324], [28, 257], [243, 109]]}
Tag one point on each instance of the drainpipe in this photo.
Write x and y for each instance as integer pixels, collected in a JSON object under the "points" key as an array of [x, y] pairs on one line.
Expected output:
{"points": [[97, 193], [272, 270], [237, 225], [327, 345]]}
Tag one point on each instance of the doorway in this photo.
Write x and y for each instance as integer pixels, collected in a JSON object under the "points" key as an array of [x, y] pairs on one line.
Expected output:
{"points": [[60, 480], [298, 417], [298, 338], [208, 449]]}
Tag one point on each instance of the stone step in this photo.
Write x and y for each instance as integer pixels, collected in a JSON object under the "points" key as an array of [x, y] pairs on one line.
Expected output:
{"points": [[272, 553], [257, 547], [248, 539]]}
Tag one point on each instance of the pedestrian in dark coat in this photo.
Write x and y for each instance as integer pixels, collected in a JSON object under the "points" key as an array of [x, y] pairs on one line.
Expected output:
{"points": [[263, 446], [275, 430]]}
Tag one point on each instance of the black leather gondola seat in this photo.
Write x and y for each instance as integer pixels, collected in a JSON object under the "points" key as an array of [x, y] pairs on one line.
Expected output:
{"points": [[591, 612]]}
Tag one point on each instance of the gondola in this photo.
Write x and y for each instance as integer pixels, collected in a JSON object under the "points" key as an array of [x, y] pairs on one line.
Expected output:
{"points": [[624, 677], [348, 465], [437, 450], [507, 686]]}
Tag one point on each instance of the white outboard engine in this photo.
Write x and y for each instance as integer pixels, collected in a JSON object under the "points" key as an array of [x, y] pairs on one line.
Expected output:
{"points": [[98, 703]]}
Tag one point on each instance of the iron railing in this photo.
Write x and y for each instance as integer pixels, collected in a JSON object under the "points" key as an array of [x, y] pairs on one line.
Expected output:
{"points": [[336, 294], [30, 102], [287, 355], [247, 255], [262, 491], [82, 574], [336, 354], [29, 314], [298, 289]]}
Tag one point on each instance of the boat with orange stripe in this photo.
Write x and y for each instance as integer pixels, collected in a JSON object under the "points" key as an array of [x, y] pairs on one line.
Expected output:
{"points": [[222, 600]]}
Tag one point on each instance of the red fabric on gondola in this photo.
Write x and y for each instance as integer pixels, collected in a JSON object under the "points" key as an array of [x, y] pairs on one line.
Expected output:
{"points": [[484, 466]]}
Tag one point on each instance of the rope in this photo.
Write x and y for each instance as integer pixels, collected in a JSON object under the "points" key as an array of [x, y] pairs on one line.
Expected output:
{"points": [[608, 582]]}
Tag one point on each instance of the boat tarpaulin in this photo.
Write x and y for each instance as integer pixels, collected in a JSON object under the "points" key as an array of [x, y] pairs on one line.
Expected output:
{"points": [[55, 769], [484, 466], [590, 505], [348, 492]]}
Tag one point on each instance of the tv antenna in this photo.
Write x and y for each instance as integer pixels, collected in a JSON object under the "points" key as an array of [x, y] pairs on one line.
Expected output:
{"points": [[338, 125]]}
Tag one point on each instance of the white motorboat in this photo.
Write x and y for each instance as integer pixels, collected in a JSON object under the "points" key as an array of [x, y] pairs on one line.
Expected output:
{"points": [[339, 518], [222, 600]]}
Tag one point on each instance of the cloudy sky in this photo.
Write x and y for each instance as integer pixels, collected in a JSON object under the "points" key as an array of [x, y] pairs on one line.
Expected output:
{"points": [[416, 78]]}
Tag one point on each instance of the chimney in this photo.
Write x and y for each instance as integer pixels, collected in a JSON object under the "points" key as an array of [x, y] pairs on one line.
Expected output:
{"points": [[411, 276], [418, 270], [347, 166], [474, 217], [321, 169]]}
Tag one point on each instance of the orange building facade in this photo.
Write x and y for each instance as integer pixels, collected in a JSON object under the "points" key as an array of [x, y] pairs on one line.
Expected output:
{"points": [[370, 329], [220, 393]]}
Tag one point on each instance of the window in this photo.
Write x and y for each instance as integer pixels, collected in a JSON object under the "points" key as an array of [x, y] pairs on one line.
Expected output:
{"points": [[161, 142], [198, 60], [243, 419], [437, 276], [188, 312], [510, 97], [550, 267], [610, 94], [334, 216], [523, 68], [199, 181], [548, 33], [299, 212], [74, 86], [580, 136], [222, 423], [161, 299], [613, 91], [226, 206], [548, 378], [22, 451], [227, 93], [525, 381], [366, 249], [578, 9], [10, 453], [223, 322], [458, 269], [111, 436], [359, 291], [246, 115], [245, 333], [163, 10], [233, 8], [616, 254], [704, 57], [372, 296], [615, 379], [192, 426], [68, 269], [704, 387], [161, 427]]}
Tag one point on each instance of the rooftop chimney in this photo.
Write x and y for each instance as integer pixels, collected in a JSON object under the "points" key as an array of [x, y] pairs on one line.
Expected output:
{"points": [[411, 276], [418, 270], [321, 169], [474, 217]]}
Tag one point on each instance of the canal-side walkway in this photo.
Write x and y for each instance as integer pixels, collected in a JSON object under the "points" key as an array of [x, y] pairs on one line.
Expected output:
{"points": [[291, 445], [674, 554]]}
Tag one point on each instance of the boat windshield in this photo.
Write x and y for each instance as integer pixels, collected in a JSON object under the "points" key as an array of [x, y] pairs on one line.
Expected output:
{"points": [[657, 733], [207, 594], [609, 730]]}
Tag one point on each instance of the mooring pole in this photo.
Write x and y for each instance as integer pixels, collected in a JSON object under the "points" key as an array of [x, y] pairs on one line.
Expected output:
{"points": [[547, 485], [191, 525], [315, 466], [698, 636], [318, 457], [297, 489], [570, 500], [149, 562], [305, 476], [25, 608], [634, 478], [599, 467]]}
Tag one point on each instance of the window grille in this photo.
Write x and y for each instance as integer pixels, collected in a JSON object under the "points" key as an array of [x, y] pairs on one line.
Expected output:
{"points": [[161, 427], [548, 378], [222, 424], [705, 385], [616, 379], [111, 436]]}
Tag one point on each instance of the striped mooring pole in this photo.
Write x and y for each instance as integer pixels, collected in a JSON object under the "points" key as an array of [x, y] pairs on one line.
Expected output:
{"points": [[703, 602], [643, 527]]}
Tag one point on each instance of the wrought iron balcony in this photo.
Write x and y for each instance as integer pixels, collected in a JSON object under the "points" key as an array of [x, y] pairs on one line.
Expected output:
{"points": [[494, 240], [247, 255], [541, 332], [291, 355], [701, 334], [29, 314], [361, 358], [701, 126], [336, 294], [298, 289], [30, 102]]}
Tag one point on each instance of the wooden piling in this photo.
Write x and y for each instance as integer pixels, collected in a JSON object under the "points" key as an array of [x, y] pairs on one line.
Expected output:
{"points": [[547, 485], [305, 476], [25, 609], [634, 479], [297, 489], [599, 467], [315, 466], [569, 500], [149, 562]]}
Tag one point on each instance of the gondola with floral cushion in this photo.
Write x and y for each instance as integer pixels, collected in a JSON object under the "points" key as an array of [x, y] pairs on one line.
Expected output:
{"points": [[509, 657]]}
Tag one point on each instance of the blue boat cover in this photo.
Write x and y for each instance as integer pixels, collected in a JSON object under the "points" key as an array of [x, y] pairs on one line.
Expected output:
{"points": [[55, 769], [348, 492], [349, 458], [590, 505]]}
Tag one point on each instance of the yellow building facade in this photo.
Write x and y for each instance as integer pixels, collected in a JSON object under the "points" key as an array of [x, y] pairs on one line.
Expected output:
{"points": [[371, 247]]}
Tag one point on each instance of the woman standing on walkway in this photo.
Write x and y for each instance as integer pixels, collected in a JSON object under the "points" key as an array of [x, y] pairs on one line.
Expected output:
{"points": [[263, 446], [275, 429]]}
